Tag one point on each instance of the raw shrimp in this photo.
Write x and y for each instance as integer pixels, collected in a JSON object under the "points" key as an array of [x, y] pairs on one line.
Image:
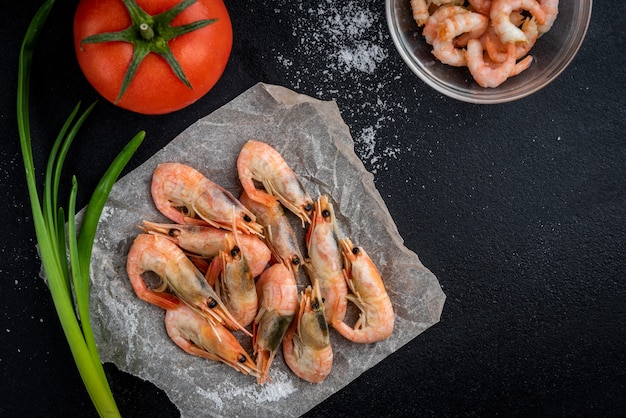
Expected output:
{"points": [[154, 253], [208, 241], [278, 303], [195, 335], [376, 319], [233, 282], [260, 162], [306, 346], [326, 261], [443, 45], [490, 74], [501, 18], [551, 10], [183, 194], [279, 234]]}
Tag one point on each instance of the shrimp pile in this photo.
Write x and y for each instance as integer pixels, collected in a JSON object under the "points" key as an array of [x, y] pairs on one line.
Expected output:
{"points": [[492, 38], [231, 268]]}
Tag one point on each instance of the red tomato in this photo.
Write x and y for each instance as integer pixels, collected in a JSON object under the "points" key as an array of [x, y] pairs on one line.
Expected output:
{"points": [[155, 88]]}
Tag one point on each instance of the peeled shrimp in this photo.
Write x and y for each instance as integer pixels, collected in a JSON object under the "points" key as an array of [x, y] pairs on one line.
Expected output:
{"points": [[490, 74], [184, 195], [498, 51], [501, 18], [481, 6], [233, 282], [326, 261], [153, 253], [196, 336], [376, 319], [279, 234], [278, 303], [433, 24], [551, 10], [306, 346], [258, 161], [443, 45], [420, 11], [208, 241]]}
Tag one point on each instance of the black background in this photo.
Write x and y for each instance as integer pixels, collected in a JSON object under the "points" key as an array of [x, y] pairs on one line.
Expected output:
{"points": [[517, 208]]}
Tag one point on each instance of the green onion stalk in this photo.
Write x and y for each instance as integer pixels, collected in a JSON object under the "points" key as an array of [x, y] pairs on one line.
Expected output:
{"points": [[68, 280]]}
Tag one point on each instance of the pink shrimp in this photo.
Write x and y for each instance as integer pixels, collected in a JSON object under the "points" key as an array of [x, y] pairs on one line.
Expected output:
{"points": [[280, 236], [196, 336], [443, 45], [208, 241], [306, 346], [376, 319], [230, 276], [481, 6], [326, 261], [278, 303], [153, 253], [419, 8], [498, 51], [501, 18], [184, 195], [260, 162], [551, 10], [490, 74], [433, 24]]}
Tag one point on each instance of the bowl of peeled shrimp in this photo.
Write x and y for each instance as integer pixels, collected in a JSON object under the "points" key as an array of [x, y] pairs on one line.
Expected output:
{"points": [[488, 51]]}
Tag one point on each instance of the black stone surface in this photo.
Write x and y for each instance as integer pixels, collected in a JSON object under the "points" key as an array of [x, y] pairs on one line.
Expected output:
{"points": [[517, 208]]}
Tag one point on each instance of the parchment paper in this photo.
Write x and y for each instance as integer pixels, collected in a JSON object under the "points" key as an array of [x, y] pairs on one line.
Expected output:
{"points": [[316, 143]]}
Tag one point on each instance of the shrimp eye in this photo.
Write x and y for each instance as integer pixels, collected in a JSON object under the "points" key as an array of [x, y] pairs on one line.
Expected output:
{"points": [[315, 305], [308, 207], [325, 213], [247, 218], [295, 260], [235, 251], [241, 358], [212, 303], [173, 232], [356, 250]]}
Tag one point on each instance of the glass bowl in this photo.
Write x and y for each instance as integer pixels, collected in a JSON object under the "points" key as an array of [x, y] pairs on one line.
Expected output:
{"points": [[552, 53]]}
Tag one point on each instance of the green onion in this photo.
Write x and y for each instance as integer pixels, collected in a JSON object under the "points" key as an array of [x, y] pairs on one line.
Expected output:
{"points": [[68, 282]]}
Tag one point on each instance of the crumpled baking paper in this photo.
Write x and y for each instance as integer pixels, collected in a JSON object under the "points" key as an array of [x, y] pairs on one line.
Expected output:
{"points": [[316, 143]]}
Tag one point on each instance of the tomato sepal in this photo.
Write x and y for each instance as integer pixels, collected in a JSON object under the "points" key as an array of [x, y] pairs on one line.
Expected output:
{"points": [[148, 34]]}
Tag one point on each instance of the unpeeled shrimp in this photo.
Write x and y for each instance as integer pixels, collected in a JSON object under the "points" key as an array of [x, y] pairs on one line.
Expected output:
{"points": [[185, 195], [501, 18], [196, 336], [278, 303], [326, 261], [208, 241], [153, 253], [376, 318], [233, 282], [258, 161], [306, 346], [280, 236]]}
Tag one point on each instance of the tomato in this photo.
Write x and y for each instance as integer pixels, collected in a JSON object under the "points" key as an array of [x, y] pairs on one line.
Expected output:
{"points": [[199, 54]]}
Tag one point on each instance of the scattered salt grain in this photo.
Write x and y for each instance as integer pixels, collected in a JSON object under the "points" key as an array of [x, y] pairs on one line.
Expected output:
{"points": [[351, 40]]}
